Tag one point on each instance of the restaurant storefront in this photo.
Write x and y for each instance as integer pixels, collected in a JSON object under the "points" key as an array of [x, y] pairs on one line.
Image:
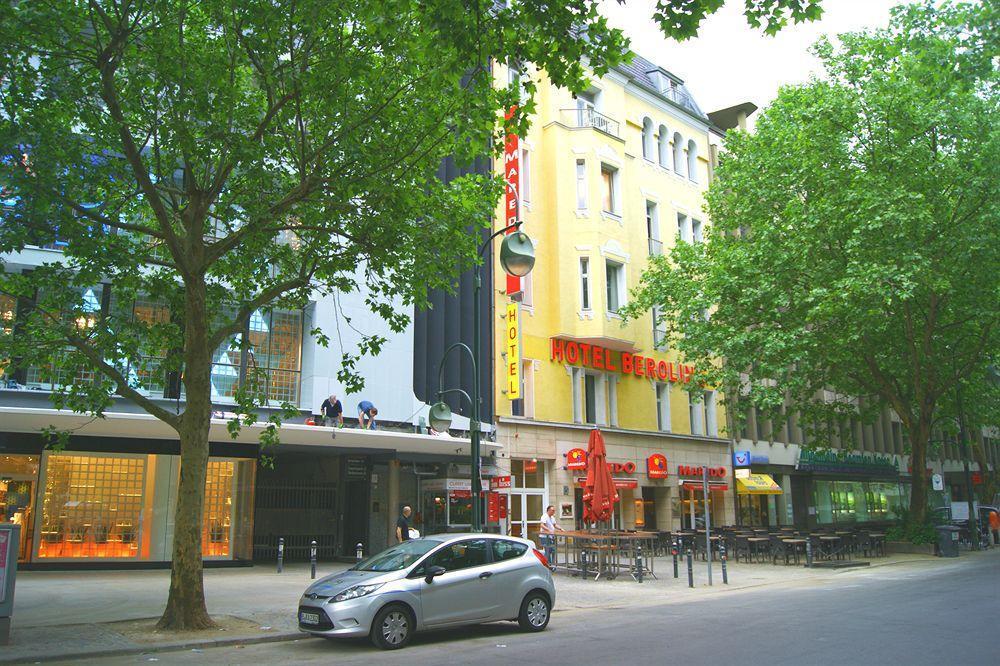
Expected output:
{"points": [[657, 475]]}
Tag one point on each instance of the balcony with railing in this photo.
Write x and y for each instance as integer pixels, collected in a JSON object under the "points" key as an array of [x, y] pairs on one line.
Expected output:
{"points": [[659, 337], [655, 247], [585, 118]]}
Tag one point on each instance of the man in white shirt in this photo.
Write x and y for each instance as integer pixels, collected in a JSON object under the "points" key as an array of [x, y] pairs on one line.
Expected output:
{"points": [[547, 535]]}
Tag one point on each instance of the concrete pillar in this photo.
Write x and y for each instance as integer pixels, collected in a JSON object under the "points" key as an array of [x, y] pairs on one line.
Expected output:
{"points": [[393, 493]]}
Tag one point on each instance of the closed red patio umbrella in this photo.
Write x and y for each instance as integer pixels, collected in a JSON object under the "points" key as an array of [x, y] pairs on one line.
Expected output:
{"points": [[599, 492]]}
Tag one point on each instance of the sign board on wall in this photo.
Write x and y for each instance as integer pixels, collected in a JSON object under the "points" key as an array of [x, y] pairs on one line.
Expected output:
{"points": [[656, 466], [937, 482], [741, 458], [587, 355], [512, 177], [499, 482], [576, 459], [512, 342]]}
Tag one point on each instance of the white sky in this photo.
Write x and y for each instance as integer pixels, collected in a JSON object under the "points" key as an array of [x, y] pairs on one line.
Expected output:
{"points": [[729, 62]]}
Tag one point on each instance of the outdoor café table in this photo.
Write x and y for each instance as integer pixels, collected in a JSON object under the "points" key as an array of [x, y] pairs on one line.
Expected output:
{"points": [[755, 544], [629, 541], [830, 545], [795, 544], [878, 540], [601, 545]]}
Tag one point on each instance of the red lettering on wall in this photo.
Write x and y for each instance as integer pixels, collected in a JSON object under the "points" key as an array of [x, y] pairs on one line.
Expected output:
{"points": [[585, 348], [651, 368], [599, 357], [672, 372], [626, 363], [661, 370], [609, 361], [572, 353], [640, 364], [557, 349]]}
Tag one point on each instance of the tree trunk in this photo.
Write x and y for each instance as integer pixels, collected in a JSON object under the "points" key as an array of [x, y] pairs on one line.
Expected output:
{"points": [[186, 602], [918, 466]]}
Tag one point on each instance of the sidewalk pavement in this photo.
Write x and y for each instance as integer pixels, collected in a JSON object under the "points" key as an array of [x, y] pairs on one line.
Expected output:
{"points": [[72, 614]]}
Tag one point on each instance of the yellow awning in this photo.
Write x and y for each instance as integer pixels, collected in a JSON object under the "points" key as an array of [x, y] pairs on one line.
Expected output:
{"points": [[758, 484]]}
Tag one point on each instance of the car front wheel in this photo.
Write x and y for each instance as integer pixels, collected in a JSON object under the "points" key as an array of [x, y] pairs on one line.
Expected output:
{"points": [[535, 611], [392, 627]]}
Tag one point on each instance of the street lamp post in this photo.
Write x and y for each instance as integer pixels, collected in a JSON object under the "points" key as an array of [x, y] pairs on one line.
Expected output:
{"points": [[517, 257]]}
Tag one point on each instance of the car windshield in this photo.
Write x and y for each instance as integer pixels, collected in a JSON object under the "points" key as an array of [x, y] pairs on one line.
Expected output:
{"points": [[398, 557]]}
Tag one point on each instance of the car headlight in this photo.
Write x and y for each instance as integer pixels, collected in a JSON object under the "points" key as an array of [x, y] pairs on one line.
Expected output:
{"points": [[355, 592]]}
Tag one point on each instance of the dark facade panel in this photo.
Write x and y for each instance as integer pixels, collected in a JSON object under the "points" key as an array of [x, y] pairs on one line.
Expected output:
{"points": [[450, 320]]}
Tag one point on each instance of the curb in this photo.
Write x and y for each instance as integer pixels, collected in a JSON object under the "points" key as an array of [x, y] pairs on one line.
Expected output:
{"points": [[166, 647]]}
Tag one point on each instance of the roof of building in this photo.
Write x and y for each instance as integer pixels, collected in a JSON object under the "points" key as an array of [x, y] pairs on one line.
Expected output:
{"points": [[729, 118], [640, 71]]}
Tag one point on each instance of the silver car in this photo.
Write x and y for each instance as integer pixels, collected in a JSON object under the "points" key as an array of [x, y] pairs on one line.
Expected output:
{"points": [[432, 582]]}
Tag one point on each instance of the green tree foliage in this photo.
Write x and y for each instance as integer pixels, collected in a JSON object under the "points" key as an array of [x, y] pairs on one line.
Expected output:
{"points": [[220, 157], [855, 251]]}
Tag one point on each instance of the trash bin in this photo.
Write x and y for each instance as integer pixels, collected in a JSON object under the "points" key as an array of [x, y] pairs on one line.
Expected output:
{"points": [[947, 540]]}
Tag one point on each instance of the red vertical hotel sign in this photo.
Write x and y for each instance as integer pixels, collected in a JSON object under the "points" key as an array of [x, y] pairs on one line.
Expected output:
{"points": [[512, 168]]}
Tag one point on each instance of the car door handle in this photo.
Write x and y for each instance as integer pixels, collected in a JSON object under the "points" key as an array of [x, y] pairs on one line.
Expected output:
{"points": [[485, 575]]}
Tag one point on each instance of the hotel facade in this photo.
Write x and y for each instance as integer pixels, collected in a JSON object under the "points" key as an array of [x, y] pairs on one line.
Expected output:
{"points": [[605, 180]]}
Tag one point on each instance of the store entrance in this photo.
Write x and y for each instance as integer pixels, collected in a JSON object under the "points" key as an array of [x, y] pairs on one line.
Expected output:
{"points": [[355, 515], [18, 486], [526, 509]]}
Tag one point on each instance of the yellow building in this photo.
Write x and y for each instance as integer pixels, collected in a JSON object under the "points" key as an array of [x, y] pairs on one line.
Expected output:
{"points": [[607, 178]]}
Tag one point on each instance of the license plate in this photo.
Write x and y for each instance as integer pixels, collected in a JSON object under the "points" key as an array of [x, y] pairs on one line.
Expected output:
{"points": [[309, 618]]}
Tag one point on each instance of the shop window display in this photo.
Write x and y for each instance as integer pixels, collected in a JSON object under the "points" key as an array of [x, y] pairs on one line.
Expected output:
{"points": [[18, 479], [847, 502], [218, 511], [92, 507]]}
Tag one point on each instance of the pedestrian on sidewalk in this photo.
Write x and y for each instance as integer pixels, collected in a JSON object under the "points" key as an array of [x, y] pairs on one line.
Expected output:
{"points": [[403, 525], [547, 535], [366, 415], [995, 526], [332, 411]]}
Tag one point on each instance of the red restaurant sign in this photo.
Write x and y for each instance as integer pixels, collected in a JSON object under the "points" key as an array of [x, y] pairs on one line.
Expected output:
{"points": [[602, 358], [576, 459], [619, 483], [691, 470], [656, 466], [512, 170]]}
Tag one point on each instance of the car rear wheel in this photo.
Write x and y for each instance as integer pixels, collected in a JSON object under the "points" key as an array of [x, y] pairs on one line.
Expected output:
{"points": [[392, 627], [535, 611]]}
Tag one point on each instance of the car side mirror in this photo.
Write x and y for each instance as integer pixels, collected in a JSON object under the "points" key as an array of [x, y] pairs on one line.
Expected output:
{"points": [[433, 571]]}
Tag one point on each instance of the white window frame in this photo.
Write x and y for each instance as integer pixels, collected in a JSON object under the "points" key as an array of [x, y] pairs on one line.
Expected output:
{"points": [[528, 388], [684, 227], [653, 225], [647, 139], [527, 291], [662, 395], [696, 412], [576, 382], [692, 161], [697, 231], [525, 176], [619, 271], [581, 184], [586, 303], [612, 399], [711, 414], [678, 150], [615, 194], [663, 147]]}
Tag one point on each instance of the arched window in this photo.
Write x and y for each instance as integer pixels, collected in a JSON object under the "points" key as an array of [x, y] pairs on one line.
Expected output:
{"points": [[692, 161], [664, 147], [647, 138], [679, 162]]}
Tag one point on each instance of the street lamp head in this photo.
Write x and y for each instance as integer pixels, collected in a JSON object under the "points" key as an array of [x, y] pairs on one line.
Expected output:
{"points": [[439, 417], [517, 254]]}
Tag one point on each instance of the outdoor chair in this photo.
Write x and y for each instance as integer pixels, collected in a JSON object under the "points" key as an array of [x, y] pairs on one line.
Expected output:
{"points": [[779, 549]]}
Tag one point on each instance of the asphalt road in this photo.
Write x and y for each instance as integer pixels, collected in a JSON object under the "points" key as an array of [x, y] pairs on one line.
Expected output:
{"points": [[948, 615]]}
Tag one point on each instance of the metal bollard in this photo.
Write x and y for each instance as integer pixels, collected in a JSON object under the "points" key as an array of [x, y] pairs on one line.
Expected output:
{"points": [[690, 569], [359, 551], [312, 557], [673, 551], [809, 552], [638, 563], [722, 559], [281, 554], [583, 562]]}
